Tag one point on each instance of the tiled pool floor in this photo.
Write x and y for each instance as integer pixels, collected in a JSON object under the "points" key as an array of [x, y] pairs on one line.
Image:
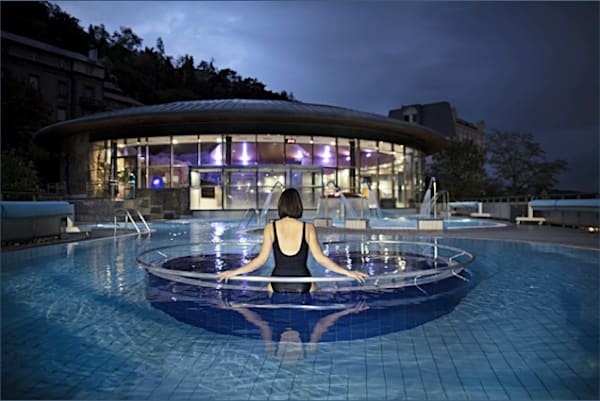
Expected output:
{"points": [[76, 325]]}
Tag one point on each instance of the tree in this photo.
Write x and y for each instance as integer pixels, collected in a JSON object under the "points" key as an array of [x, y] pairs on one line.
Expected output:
{"points": [[24, 111], [18, 174], [127, 39], [147, 74], [519, 164], [44, 22], [460, 169]]}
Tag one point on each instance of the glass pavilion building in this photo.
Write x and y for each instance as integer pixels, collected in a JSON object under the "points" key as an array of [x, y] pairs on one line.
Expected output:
{"points": [[230, 154]]}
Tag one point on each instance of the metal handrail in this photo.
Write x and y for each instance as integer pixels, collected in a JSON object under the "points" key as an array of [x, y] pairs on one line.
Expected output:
{"points": [[129, 217], [391, 280], [143, 220], [248, 215]]}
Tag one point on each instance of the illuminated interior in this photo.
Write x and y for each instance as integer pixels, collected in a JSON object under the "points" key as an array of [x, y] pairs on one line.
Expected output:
{"points": [[237, 171]]}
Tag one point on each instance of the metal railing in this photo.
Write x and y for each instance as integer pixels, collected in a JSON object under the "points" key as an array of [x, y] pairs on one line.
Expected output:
{"points": [[248, 216], [129, 218], [390, 264]]}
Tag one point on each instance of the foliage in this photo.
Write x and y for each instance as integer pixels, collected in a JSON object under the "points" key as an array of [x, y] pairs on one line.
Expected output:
{"points": [[44, 22], [18, 173], [516, 163], [146, 74], [519, 164], [24, 111], [460, 169]]}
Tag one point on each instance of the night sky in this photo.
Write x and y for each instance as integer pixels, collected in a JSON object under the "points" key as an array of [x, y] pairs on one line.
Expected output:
{"points": [[518, 66]]}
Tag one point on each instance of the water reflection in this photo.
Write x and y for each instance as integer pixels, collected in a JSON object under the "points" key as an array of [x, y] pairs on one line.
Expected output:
{"points": [[291, 325], [289, 343]]}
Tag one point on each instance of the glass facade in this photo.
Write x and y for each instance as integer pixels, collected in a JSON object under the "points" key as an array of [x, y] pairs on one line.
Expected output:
{"points": [[237, 172]]}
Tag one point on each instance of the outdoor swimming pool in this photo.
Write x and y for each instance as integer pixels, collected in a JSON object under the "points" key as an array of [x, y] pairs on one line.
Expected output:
{"points": [[77, 323], [408, 222], [450, 223]]}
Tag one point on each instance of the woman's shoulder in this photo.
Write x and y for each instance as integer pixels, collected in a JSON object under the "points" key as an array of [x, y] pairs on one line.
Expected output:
{"points": [[268, 228], [310, 227]]}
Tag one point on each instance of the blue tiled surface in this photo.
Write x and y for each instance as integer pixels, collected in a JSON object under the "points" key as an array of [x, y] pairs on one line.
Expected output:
{"points": [[76, 325]]}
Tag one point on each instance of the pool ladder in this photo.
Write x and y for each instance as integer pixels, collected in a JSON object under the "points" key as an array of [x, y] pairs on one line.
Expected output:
{"points": [[128, 215], [250, 215]]}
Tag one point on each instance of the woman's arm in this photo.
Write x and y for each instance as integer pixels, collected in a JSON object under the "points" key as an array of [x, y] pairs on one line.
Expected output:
{"points": [[323, 260], [258, 261], [325, 322]]}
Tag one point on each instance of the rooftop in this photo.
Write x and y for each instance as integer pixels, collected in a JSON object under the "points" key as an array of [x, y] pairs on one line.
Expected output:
{"points": [[244, 116]]}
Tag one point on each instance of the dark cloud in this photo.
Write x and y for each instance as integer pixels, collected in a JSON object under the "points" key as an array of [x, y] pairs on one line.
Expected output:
{"points": [[520, 66]]}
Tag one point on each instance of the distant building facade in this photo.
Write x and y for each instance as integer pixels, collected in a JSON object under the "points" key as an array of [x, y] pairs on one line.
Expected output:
{"points": [[72, 84], [443, 118]]}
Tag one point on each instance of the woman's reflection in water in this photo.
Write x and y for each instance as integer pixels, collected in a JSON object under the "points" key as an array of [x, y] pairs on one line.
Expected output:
{"points": [[290, 346]]}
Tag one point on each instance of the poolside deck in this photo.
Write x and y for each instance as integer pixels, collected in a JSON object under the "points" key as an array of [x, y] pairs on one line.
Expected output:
{"points": [[512, 232], [64, 239], [535, 233]]}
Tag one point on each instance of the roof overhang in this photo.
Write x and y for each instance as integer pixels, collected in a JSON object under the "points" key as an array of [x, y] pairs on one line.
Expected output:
{"points": [[280, 117]]}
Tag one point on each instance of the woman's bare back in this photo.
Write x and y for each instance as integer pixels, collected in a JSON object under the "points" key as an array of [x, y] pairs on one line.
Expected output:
{"points": [[289, 235]]}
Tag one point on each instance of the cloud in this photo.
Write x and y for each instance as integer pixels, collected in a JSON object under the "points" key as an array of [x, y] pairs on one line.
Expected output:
{"points": [[522, 66]]}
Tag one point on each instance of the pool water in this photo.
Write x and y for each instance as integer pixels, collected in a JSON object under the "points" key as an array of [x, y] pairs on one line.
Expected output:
{"points": [[78, 323], [450, 223]]}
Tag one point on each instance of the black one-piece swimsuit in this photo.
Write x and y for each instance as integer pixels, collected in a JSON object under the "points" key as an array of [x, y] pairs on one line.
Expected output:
{"points": [[291, 265]]}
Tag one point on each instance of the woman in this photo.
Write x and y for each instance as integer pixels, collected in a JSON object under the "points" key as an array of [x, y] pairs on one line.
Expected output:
{"points": [[291, 239]]}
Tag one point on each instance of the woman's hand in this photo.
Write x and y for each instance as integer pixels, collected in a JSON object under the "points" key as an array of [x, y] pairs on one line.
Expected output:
{"points": [[359, 307], [227, 274], [360, 276]]}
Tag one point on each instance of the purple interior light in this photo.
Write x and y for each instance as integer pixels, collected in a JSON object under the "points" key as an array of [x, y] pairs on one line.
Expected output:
{"points": [[157, 182]]}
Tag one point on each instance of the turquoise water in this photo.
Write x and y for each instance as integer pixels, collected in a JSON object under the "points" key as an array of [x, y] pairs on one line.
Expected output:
{"points": [[77, 324], [451, 223]]}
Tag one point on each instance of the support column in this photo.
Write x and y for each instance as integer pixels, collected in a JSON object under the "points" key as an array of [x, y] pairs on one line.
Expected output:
{"points": [[352, 171]]}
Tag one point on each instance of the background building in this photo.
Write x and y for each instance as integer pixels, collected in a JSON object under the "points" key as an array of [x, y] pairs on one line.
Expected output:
{"points": [[443, 118], [72, 84]]}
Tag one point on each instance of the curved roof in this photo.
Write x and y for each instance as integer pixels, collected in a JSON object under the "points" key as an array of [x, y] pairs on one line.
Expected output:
{"points": [[243, 116]]}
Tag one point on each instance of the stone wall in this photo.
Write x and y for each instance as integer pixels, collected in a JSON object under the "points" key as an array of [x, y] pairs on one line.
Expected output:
{"points": [[95, 210]]}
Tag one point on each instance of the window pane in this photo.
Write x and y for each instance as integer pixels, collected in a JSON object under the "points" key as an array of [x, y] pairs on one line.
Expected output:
{"points": [[185, 154], [242, 190], [368, 153], [180, 176], [298, 153], [159, 171], [243, 153], [211, 153], [160, 155], [343, 152], [329, 179], [271, 152], [99, 169], [325, 155], [159, 177]]}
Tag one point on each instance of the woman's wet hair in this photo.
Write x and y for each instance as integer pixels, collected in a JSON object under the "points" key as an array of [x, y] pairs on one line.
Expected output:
{"points": [[290, 204]]}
